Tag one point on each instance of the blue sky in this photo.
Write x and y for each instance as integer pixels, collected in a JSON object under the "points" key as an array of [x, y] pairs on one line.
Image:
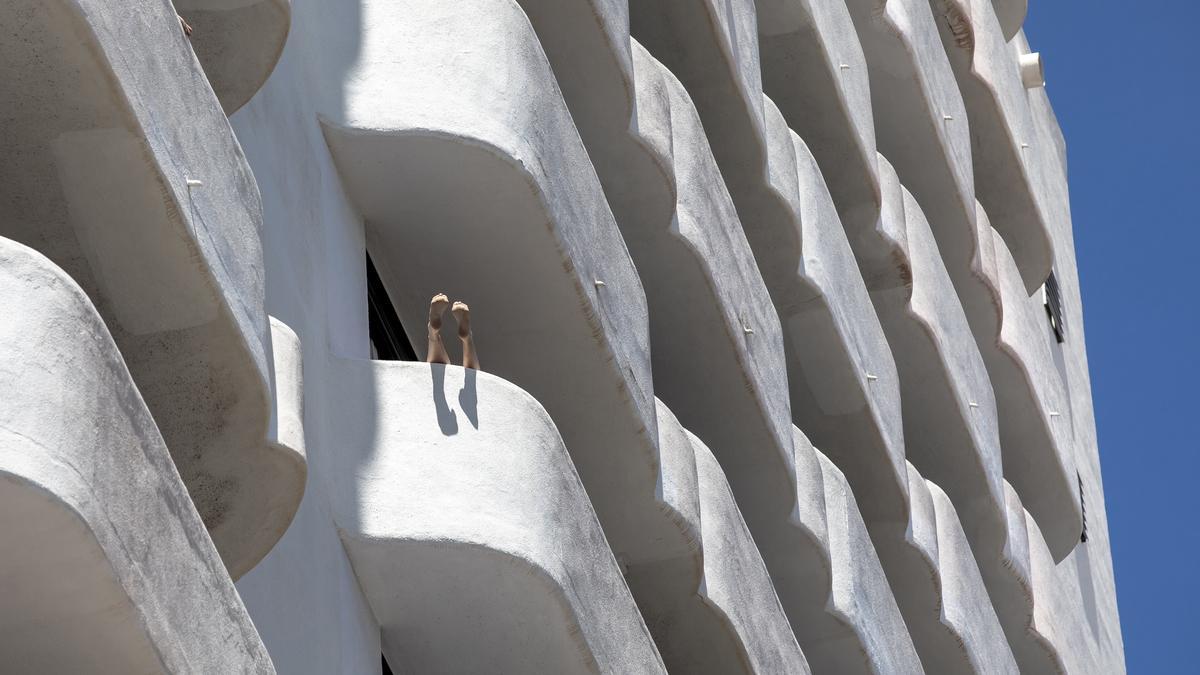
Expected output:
{"points": [[1124, 77]]}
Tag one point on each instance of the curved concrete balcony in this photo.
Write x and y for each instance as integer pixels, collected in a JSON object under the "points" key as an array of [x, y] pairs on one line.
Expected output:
{"points": [[733, 622], [1020, 607], [940, 591], [1011, 15], [1008, 181], [1036, 435], [158, 222], [814, 69], [481, 188], [915, 89], [951, 429], [838, 599], [844, 388], [107, 567], [468, 529], [238, 42], [702, 282], [921, 125], [862, 600]]}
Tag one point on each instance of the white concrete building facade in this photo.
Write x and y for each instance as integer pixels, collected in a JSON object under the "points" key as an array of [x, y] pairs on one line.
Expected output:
{"points": [[783, 357]]}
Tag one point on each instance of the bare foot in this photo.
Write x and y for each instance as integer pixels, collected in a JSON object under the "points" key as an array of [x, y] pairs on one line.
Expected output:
{"points": [[187, 30], [462, 314], [436, 350], [437, 307]]}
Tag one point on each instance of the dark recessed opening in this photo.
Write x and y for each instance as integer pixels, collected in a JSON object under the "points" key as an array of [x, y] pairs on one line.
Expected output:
{"points": [[387, 670], [1052, 298], [389, 342], [1082, 509]]}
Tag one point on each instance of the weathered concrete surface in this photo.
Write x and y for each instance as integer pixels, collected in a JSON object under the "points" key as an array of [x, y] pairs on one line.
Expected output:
{"points": [[106, 565], [238, 42], [448, 539], [923, 127], [734, 622], [950, 421], [860, 593], [851, 628], [843, 381], [940, 591], [1085, 614], [535, 250], [814, 69], [485, 119], [1008, 181], [97, 177]]}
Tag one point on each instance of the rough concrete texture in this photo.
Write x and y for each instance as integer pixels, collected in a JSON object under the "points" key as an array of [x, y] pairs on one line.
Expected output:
{"points": [[1036, 422], [108, 116], [106, 566], [442, 544], [734, 622], [760, 223]]}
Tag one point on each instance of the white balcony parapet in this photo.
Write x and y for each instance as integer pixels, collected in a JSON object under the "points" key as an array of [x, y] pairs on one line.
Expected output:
{"points": [[844, 388], [940, 591], [848, 624], [1032, 641], [861, 597], [1090, 641], [238, 42], [733, 623], [1009, 181], [159, 222], [814, 69], [468, 529], [107, 567], [922, 125], [481, 187], [951, 428], [1036, 432]]}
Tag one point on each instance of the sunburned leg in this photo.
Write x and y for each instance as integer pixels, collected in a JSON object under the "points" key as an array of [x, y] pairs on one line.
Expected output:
{"points": [[462, 314], [437, 350]]}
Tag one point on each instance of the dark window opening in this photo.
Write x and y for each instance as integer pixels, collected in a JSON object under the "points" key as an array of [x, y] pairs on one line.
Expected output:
{"points": [[389, 342], [1052, 297], [1082, 509]]}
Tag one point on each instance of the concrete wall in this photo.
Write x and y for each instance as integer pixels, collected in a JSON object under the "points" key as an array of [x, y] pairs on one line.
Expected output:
{"points": [[769, 385]]}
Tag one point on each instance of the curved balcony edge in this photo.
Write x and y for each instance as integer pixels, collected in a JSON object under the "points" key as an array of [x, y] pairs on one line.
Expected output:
{"points": [[1011, 15], [108, 567], [922, 128], [815, 70], [951, 426], [487, 193], [940, 590], [1017, 606], [729, 620], [463, 516], [159, 222], [1036, 433], [238, 42], [702, 281], [1007, 180], [845, 387], [862, 597]]}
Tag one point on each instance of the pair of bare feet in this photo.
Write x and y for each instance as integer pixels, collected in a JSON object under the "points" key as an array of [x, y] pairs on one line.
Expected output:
{"points": [[462, 314], [187, 29]]}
